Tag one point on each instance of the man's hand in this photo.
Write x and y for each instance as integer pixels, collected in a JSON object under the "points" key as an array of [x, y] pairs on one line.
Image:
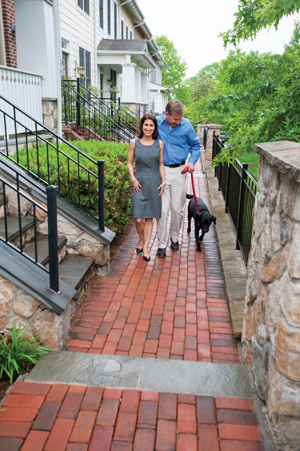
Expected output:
{"points": [[191, 167]]}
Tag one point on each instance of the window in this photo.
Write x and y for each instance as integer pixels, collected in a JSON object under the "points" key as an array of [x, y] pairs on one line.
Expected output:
{"points": [[108, 17], [122, 29], [85, 5], [130, 34], [115, 21], [85, 61], [65, 57], [101, 13], [126, 32]]}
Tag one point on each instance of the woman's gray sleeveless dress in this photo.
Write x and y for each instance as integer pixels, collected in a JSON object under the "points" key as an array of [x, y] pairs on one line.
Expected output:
{"points": [[146, 203]]}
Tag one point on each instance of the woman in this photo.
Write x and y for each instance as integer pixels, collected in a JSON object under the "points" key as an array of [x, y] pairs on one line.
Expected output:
{"points": [[148, 181]]}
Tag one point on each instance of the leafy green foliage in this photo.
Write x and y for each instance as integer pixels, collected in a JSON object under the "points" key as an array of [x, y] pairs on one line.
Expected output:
{"points": [[255, 15], [174, 76], [116, 177], [19, 352], [255, 97]]}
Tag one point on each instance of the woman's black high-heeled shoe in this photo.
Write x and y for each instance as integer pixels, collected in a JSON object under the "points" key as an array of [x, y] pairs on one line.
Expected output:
{"points": [[147, 259], [139, 251]]}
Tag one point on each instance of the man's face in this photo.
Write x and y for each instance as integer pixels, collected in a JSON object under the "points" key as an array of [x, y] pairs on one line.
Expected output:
{"points": [[173, 119]]}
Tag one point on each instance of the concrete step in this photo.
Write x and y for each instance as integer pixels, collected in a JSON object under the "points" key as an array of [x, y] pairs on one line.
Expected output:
{"points": [[42, 248], [161, 375], [13, 226], [74, 269]]}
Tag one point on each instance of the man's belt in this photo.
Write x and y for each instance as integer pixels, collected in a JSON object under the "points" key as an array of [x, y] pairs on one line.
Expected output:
{"points": [[175, 165]]}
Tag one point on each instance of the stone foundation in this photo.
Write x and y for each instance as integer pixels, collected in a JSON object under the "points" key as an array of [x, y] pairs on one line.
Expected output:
{"points": [[50, 114], [17, 306], [271, 329]]}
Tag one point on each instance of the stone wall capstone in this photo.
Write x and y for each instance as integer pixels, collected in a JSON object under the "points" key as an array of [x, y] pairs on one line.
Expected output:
{"points": [[271, 329]]}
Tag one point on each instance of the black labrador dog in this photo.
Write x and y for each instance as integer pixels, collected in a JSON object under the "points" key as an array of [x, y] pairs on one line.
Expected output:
{"points": [[203, 219]]}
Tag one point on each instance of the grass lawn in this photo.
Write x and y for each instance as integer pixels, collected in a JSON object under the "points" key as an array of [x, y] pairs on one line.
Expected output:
{"points": [[252, 158]]}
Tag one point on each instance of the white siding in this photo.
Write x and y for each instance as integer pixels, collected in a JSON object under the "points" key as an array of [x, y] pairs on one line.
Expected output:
{"points": [[80, 28]]}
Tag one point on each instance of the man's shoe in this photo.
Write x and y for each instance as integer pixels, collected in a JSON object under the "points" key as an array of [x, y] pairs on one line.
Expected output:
{"points": [[174, 246], [161, 253]]}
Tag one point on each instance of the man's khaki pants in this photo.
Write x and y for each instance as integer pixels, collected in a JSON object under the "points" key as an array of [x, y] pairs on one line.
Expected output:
{"points": [[172, 198]]}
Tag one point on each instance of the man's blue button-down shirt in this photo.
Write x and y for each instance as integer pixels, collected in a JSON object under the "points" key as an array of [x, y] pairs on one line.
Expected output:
{"points": [[179, 141]]}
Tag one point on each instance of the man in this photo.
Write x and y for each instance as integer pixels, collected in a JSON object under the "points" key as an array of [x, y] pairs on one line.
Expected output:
{"points": [[179, 139]]}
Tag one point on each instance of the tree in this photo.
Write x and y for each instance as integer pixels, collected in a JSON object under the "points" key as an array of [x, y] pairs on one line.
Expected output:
{"points": [[254, 15], [204, 82], [174, 76]]}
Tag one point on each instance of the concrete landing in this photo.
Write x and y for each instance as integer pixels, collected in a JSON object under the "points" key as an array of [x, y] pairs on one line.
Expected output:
{"points": [[161, 375]]}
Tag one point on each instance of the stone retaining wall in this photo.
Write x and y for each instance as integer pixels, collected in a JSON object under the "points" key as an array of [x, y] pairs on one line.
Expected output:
{"points": [[16, 305], [271, 329]]}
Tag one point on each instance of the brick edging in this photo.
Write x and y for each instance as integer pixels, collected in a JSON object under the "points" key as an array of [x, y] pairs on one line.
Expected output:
{"points": [[234, 269]]}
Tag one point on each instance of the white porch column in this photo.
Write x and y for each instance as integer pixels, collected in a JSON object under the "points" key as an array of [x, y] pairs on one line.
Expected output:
{"points": [[36, 49], [145, 90], [128, 83], [138, 85], [159, 102]]}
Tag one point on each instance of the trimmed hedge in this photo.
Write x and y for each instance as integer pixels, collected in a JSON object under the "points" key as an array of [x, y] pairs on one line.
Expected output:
{"points": [[116, 177]]}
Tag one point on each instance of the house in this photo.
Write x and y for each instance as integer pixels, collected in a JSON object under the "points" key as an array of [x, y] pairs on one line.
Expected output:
{"points": [[29, 56], [108, 39], [112, 42]]}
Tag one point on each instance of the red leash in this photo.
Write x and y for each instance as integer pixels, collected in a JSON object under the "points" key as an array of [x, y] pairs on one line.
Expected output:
{"points": [[196, 204]]}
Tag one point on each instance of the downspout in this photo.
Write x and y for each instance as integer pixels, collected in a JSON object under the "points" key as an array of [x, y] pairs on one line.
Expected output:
{"points": [[56, 20]]}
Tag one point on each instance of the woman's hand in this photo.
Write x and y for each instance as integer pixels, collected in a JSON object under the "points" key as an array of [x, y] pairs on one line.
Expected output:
{"points": [[136, 186], [161, 188]]}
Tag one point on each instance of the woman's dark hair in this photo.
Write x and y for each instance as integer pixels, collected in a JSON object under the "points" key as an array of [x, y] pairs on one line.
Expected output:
{"points": [[153, 119]]}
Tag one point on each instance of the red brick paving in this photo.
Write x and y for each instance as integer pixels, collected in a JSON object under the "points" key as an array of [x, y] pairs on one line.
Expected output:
{"points": [[172, 308], [110, 419]]}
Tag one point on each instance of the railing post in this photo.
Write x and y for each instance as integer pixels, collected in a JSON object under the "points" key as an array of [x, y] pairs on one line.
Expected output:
{"points": [[214, 150], [52, 238], [220, 145], [227, 186], [238, 227], [101, 193], [78, 101]]}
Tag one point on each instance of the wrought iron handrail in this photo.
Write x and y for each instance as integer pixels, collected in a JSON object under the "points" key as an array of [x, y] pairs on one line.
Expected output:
{"points": [[239, 189], [126, 111], [51, 212], [49, 159], [89, 120], [106, 114]]}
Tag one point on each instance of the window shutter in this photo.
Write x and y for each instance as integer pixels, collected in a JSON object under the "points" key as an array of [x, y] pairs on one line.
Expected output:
{"points": [[108, 17], [115, 21], [101, 13]]}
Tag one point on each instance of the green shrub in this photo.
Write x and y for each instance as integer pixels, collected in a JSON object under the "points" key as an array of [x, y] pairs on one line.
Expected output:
{"points": [[116, 176], [19, 352]]}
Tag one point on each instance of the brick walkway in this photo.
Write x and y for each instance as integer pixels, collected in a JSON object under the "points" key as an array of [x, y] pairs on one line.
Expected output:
{"points": [[38, 417], [172, 308]]}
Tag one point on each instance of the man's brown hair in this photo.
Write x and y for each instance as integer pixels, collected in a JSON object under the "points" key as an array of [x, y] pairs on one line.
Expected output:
{"points": [[175, 106]]}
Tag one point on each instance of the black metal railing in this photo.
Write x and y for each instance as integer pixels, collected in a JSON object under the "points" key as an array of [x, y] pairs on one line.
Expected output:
{"points": [[92, 118], [239, 189], [54, 161], [16, 240], [204, 138]]}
